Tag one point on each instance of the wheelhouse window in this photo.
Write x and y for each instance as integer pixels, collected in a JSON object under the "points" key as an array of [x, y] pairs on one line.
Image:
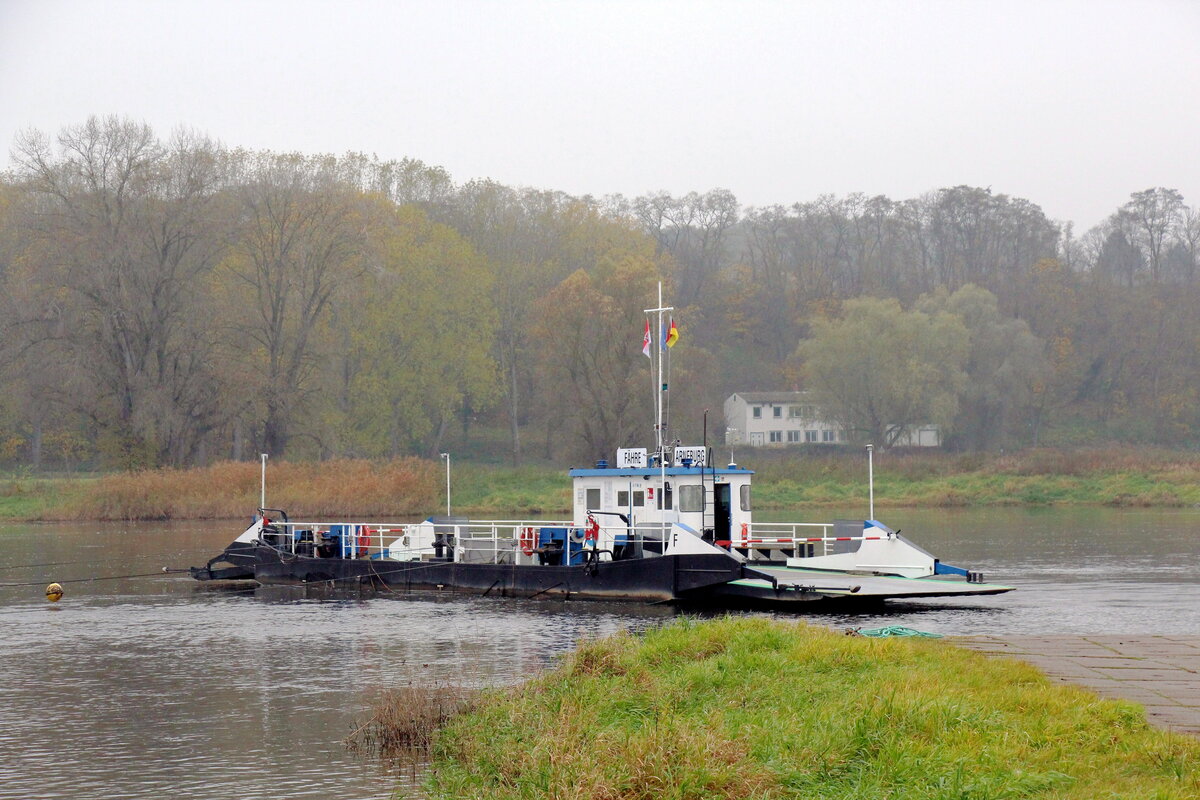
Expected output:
{"points": [[666, 491], [691, 498], [638, 497], [593, 499], [744, 497]]}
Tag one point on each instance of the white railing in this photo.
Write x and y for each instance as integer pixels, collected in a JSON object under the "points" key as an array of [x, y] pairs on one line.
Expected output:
{"points": [[496, 541], [344, 539], [811, 537], [519, 541]]}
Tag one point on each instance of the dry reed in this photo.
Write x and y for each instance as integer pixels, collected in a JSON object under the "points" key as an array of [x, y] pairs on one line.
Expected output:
{"points": [[403, 721], [230, 489]]}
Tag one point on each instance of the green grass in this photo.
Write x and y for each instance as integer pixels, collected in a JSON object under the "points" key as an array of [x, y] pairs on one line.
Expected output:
{"points": [[491, 490], [755, 708], [26, 498], [1124, 477]]}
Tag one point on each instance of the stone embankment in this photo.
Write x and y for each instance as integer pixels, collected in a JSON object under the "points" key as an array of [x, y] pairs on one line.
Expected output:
{"points": [[1160, 672]]}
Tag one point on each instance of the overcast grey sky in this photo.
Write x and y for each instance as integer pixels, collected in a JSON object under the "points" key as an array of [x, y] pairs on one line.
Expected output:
{"points": [[1072, 105]]}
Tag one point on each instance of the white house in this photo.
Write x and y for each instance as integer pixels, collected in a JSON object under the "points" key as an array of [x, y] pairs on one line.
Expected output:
{"points": [[780, 418]]}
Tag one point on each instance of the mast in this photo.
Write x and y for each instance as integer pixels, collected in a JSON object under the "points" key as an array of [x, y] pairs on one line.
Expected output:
{"points": [[657, 373], [656, 342]]}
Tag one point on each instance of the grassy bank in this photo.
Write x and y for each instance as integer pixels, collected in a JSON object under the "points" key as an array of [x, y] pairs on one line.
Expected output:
{"points": [[1112, 477], [754, 708], [791, 479]]}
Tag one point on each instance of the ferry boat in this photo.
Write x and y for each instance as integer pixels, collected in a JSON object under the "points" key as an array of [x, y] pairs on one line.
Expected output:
{"points": [[657, 526]]}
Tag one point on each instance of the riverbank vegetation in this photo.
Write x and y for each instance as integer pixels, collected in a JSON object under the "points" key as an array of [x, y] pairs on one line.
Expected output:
{"points": [[407, 488], [362, 489], [755, 708], [402, 722], [175, 302]]}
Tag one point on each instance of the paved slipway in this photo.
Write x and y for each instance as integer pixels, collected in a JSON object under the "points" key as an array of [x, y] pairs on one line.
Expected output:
{"points": [[1160, 672]]}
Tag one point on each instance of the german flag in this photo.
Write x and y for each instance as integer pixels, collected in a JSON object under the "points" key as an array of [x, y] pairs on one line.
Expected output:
{"points": [[672, 335]]}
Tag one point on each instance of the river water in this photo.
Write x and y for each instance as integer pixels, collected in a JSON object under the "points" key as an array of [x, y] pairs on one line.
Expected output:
{"points": [[159, 686]]}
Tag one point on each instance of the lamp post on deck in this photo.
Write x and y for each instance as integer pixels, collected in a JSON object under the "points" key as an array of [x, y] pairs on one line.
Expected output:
{"points": [[262, 491], [447, 457], [871, 480]]}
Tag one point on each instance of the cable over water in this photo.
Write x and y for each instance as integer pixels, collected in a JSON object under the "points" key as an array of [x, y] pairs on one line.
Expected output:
{"points": [[91, 580]]}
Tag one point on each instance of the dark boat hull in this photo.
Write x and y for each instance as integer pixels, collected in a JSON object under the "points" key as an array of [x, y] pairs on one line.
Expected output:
{"points": [[703, 579], [240, 556], [660, 579]]}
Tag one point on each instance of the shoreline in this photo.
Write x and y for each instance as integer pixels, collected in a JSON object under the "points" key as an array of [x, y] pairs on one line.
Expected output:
{"points": [[412, 487], [51, 517]]}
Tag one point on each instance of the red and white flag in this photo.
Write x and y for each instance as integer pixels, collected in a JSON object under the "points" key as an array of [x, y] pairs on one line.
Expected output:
{"points": [[646, 341]]}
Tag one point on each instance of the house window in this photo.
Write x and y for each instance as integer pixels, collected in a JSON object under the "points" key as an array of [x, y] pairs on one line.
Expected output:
{"points": [[744, 496], [776, 436], [794, 436], [639, 499], [810, 436], [828, 436], [691, 498], [778, 412], [808, 412], [793, 412], [756, 412]]}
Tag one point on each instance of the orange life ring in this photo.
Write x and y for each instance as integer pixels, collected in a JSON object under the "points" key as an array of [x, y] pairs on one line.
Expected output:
{"points": [[592, 531], [526, 541], [364, 539]]}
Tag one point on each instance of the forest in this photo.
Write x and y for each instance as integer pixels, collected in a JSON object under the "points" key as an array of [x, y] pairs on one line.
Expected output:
{"points": [[171, 301]]}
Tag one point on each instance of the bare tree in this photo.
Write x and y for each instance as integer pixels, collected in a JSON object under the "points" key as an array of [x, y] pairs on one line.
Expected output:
{"points": [[122, 224], [297, 243], [1152, 215]]}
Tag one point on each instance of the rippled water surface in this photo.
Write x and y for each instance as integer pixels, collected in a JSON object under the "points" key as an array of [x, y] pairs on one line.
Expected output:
{"points": [[157, 686]]}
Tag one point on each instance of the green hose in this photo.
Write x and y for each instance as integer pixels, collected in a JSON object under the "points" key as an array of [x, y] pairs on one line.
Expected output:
{"points": [[896, 630]]}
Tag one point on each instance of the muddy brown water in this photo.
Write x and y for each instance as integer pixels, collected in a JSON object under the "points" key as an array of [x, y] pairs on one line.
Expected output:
{"points": [[158, 686]]}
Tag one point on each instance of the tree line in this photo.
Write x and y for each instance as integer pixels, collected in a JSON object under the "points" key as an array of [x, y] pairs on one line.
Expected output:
{"points": [[172, 301]]}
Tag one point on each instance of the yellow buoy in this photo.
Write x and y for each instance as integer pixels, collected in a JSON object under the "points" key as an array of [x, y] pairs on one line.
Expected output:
{"points": [[54, 593]]}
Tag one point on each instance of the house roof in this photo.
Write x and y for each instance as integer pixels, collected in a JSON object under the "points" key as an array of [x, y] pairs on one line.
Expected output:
{"points": [[772, 397]]}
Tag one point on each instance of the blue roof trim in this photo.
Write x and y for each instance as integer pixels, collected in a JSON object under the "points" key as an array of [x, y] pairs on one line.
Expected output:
{"points": [[651, 472]]}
